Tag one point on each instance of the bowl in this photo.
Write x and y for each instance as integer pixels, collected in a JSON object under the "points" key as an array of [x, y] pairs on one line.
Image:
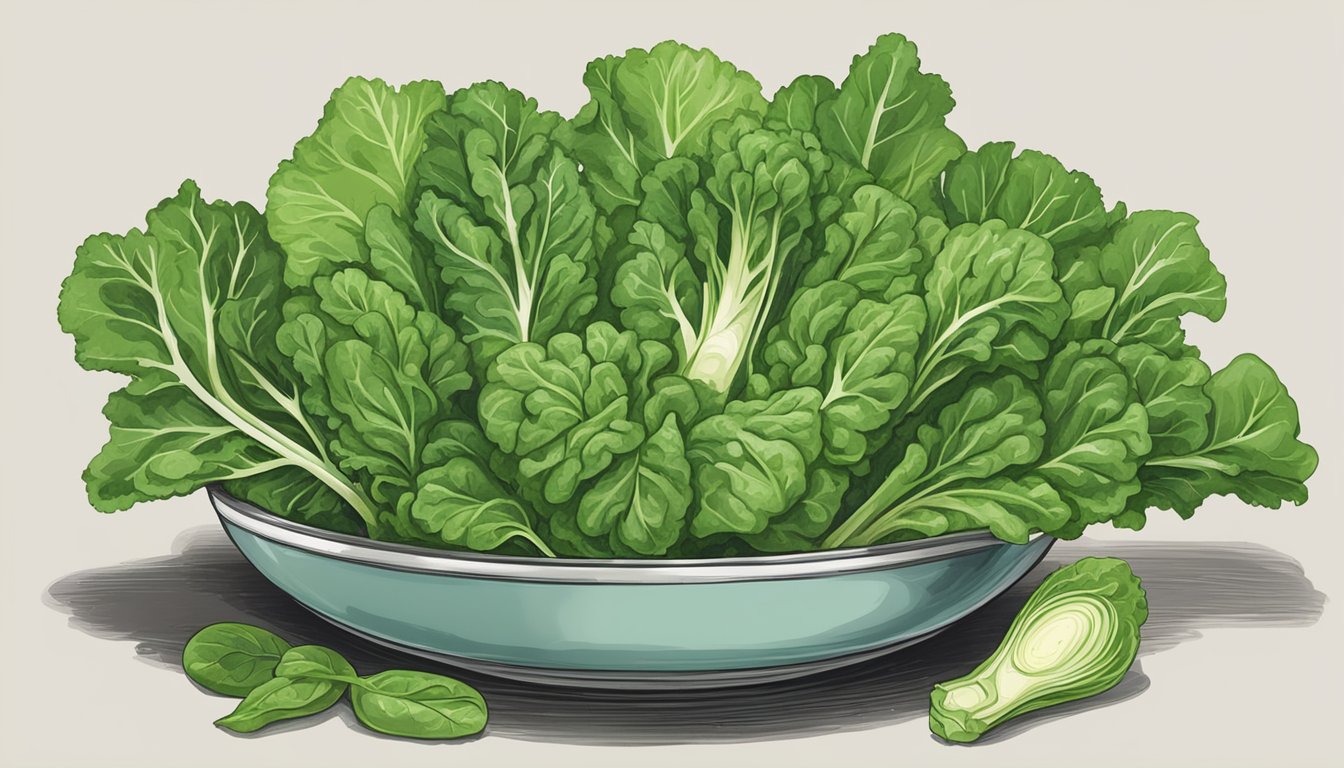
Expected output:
{"points": [[632, 623]]}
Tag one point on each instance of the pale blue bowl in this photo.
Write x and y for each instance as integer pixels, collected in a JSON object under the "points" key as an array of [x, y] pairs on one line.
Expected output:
{"points": [[632, 623]]}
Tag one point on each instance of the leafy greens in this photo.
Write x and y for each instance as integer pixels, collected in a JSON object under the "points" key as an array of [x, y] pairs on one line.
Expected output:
{"points": [[688, 321]]}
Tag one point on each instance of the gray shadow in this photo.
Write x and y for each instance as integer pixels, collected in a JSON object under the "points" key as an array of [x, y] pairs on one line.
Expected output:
{"points": [[158, 603]]}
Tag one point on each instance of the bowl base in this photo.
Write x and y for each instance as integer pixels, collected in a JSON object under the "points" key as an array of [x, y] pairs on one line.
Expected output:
{"points": [[636, 680]]}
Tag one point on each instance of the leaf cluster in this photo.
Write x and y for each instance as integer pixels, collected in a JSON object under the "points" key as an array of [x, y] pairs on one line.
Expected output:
{"points": [[689, 320]]}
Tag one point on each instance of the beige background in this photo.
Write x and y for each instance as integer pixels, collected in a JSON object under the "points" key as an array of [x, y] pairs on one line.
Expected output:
{"points": [[1230, 111]]}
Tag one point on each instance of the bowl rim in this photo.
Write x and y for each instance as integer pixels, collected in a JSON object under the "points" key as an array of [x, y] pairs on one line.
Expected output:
{"points": [[235, 512]]}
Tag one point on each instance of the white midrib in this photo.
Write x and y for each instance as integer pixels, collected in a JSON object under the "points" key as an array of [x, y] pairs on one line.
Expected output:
{"points": [[1197, 459], [874, 532], [1141, 275], [935, 355], [879, 109], [524, 302]]}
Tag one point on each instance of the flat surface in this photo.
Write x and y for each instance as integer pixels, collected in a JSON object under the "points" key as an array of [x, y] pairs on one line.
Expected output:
{"points": [[1231, 111]]}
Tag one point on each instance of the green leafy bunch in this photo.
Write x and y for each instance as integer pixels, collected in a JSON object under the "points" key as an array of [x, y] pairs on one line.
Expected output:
{"points": [[688, 321]]}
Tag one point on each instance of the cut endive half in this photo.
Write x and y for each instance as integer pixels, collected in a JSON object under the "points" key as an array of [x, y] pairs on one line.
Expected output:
{"points": [[1077, 636]]}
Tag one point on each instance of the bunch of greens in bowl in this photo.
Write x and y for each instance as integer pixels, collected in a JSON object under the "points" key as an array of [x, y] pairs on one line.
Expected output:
{"points": [[688, 321]]}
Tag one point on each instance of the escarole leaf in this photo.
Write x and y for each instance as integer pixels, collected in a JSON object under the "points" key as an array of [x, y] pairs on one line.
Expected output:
{"points": [[598, 436], [750, 462], [383, 373], [565, 409], [950, 478], [1251, 449], [206, 403], [1171, 390], [641, 501], [1096, 436], [398, 259], [461, 503], [292, 493], [743, 227], [795, 106], [648, 106], [859, 353], [800, 527], [1136, 287], [872, 245], [888, 118], [362, 155], [991, 301], [510, 225], [1032, 191]]}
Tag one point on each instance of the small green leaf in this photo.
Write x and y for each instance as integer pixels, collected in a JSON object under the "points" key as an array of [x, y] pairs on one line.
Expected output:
{"points": [[315, 662], [232, 659], [282, 698], [418, 705]]}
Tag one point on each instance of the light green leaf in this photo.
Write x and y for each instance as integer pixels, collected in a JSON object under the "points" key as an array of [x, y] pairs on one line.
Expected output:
{"points": [[795, 106], [397, 259], [566, 410], [1171, 390], [362, 155], [872, 245], [211, 399], [652, 105], [279, 699], [859, 353], [1032, 191], [1159, 270], [315, 662], [296, 495], [991, 301], [1252, 449], [743, 227], [508, 219], [888, 118], [382, 372], [232, 659], [1096, 436], [801, 527]]}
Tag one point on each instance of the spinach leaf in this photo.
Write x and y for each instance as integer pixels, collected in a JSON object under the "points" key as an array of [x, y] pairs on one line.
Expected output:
{"points": [[232, 659], [418, 705], [282, 698], [316, 662]]}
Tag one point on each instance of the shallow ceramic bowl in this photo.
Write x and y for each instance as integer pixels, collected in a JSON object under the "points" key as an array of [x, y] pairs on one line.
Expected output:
{"points": [[632, 623]]}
